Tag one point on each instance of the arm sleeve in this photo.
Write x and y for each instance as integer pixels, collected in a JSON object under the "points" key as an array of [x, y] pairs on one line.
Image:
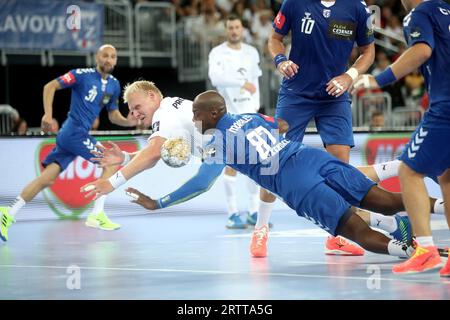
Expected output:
{"points": [[219, 74], [69, 79], [421, 29], [364, 30], [113, 103], [282, 22], [204, 179]]}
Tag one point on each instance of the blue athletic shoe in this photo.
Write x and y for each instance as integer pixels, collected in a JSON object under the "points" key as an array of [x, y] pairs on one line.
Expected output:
{"points": [[235, 222], [404, 231], [251, 218]]}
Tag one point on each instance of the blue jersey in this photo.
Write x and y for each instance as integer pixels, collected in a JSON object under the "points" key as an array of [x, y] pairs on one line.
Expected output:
{"points": [[322, 41], [90, 93], [429, 23]]}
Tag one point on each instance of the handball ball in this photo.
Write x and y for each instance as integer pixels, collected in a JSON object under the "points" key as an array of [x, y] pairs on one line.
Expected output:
{"points": [[176, 152]]}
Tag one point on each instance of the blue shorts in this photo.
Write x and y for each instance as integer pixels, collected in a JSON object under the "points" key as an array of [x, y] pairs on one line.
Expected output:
{"points": [[323, 189], [70, 143], [428, 151], [333, 119]]}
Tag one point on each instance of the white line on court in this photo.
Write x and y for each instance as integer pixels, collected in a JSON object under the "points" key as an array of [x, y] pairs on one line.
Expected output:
{"points": [[275, 274]]}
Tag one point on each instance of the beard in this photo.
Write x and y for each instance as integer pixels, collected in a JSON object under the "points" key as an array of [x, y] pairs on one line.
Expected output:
{"points": [[106, 69], [234, 40]]}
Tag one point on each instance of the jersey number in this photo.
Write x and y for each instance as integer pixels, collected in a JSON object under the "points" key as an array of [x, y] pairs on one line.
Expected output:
{"points": [[255, 137], [307, 24]]}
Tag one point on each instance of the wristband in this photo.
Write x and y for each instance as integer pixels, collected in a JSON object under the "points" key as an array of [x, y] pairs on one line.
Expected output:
{"points": [[385, 78], [353, 73], [117, 179], [159, 203], [126, 158], [278, 59]]}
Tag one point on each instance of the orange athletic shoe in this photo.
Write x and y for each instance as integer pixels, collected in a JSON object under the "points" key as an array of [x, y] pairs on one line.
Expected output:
{"points": [[445, 271], [340, 247], [258, 246], [423, 259]]}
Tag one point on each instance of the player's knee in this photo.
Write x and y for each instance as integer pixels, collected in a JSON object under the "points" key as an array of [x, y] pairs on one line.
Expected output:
{"points": [[46, 181]]}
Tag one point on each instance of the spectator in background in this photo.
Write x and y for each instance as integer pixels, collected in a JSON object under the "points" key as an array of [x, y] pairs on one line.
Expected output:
{"points": [[261, 28], [376, 121], [20, 127], [414, 83]]}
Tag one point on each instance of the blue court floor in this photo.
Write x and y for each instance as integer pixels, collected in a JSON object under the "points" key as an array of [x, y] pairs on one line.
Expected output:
{"points": [[193, 256]]}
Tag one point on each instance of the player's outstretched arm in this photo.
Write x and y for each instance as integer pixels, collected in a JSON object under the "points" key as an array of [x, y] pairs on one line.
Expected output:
{"points": [[204, 179], [107, 157], [409, 61], [48, 95], [143, 160]]}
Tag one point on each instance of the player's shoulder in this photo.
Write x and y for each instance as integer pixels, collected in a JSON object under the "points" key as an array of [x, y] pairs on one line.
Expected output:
{"points": [[432, 7], [84, 71], [171, 106], [218, 49], [249, 48], [113, 79]]}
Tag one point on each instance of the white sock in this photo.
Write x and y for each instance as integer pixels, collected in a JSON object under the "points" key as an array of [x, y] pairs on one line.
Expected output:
{"points": [[399, 249], [264, 213], [230, 192], [387, 170], [386, 223], [16, 205], [439, 206], [253, 199], [99, 204], [425, 241]]}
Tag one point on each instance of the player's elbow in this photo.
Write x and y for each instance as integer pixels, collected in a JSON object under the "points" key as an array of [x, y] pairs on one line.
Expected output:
{"points": [[51, 86]]}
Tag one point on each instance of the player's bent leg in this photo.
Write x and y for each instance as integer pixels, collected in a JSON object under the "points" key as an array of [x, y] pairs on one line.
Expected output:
{"points": [[98, 218], [342, 152], [45, 180], [352, 227]]}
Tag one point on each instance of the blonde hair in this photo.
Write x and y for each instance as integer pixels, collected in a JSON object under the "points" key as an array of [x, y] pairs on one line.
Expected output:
{"points": [[140, 85]]}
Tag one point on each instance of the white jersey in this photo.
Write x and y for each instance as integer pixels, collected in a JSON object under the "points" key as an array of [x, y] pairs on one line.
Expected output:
{"points": [[229, 69], [173, 119]]}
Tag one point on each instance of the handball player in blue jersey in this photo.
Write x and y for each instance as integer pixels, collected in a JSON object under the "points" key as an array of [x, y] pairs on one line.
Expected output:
{"points": [[92, 90], [427, 32], [316, 76], [316, 185]]}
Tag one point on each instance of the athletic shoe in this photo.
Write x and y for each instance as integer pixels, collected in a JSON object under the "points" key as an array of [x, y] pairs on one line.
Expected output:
{"points": [[6, 221], [340, 246], [258, 246], [101, 221], [251, 218], [423, 259], [404, 231], [235, 222], [445, 271]]}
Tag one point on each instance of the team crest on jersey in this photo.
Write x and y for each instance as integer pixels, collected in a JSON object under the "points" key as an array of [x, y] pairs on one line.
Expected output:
{"points": [[106, 98], [326, 13]]}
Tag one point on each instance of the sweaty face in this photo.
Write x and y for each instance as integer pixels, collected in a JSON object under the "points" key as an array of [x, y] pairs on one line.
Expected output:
{"points": [[106, 59], [234, 31], [141, 105]]}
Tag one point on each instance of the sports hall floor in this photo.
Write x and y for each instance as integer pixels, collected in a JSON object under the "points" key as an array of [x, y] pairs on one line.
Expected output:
{"points": [[193, 256]]}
